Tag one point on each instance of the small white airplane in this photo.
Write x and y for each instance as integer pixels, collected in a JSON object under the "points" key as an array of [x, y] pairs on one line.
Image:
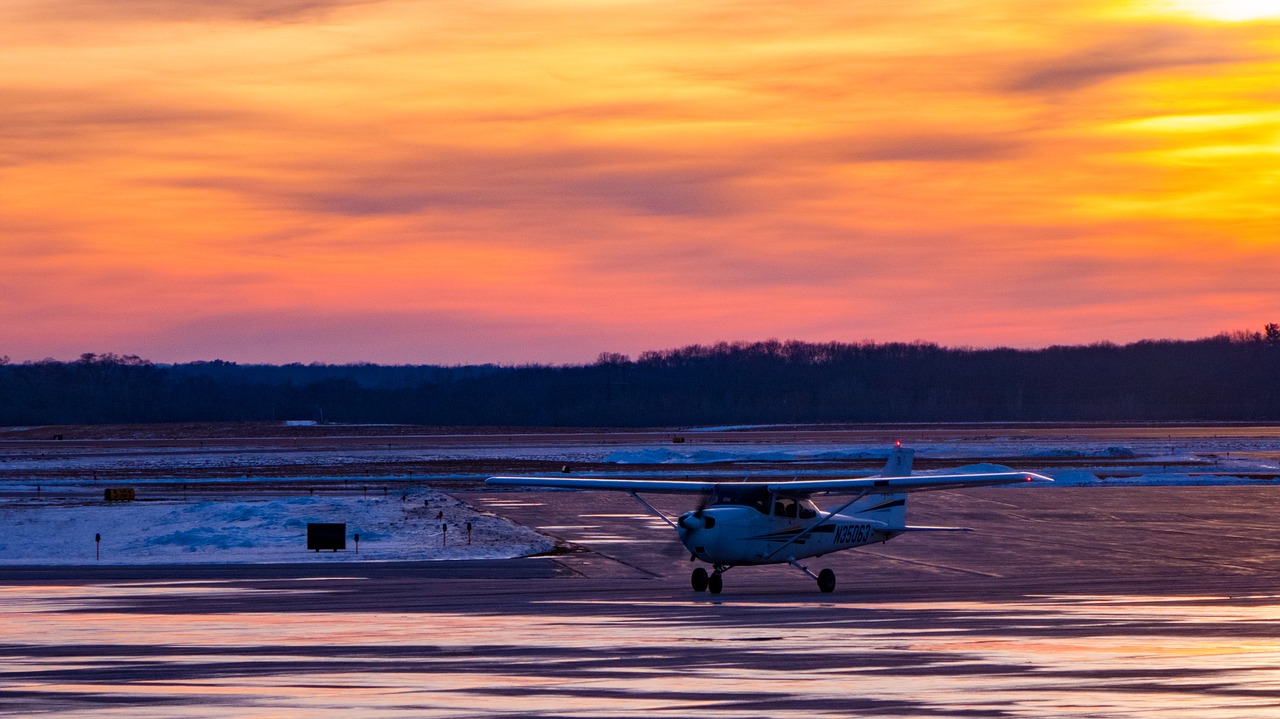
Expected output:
{"points": [[746, 523]]}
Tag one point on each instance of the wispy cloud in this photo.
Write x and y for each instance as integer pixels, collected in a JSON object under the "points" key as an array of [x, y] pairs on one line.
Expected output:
{"points": [[53, 125], [182, 11], [931, 147], [1132, 51], [620, 179]]}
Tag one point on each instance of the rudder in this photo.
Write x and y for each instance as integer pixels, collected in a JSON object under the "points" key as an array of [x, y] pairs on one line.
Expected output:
{"points": [[899, 463]]}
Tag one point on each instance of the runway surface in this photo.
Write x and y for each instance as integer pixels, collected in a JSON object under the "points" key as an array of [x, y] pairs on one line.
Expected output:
{"points": [[1099, 602]]}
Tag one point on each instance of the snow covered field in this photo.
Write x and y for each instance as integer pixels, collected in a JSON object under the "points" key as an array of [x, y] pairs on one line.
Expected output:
{"points": [[399, 527]]}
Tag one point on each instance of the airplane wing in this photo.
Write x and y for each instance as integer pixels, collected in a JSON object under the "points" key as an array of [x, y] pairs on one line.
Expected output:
{"points": [[873, 485], [894, 485], [656, 486]]}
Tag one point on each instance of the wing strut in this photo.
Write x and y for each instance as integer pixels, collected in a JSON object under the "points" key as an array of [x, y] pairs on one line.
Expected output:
{"points": [[651, 508], [809, 529]]}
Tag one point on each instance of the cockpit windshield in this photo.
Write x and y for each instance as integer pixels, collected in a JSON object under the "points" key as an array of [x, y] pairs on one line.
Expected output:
{"points": [[764, 502], [755, 497]]}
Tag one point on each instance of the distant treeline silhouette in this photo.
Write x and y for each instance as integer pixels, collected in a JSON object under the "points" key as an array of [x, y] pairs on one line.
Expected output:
{"points": [[1230, 377]]}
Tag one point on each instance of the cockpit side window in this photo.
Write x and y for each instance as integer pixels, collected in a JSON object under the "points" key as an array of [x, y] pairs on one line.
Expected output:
{"points": [[792, 508]]}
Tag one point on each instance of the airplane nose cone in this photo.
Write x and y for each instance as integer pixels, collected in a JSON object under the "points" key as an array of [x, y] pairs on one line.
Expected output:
{"points": [[690, 522]]}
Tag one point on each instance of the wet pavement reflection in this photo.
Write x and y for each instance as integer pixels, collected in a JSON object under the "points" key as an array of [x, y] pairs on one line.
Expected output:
{"points": [[567, 648]]}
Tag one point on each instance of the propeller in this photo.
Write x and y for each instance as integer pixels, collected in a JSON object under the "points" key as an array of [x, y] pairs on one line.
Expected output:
{"points": [[693, 520]]}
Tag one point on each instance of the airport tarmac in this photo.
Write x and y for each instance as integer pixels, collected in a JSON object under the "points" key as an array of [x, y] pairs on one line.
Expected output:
{"points": [[1065, 602]]}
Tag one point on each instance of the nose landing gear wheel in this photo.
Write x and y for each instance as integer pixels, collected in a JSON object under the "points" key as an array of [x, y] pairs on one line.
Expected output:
{"points": [[699, 580], [715, 583], [827, 581]]}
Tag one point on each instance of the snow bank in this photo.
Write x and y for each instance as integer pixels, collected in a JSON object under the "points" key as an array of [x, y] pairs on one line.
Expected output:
{"points": [[1109, 452], [980, 468], [666, 455], [401, 527], [1074, 479], [1087, 479]]}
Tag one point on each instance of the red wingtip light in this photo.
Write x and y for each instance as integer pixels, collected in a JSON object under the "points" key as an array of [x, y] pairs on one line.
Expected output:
{"points": [[897, 443], [1029, 479]]}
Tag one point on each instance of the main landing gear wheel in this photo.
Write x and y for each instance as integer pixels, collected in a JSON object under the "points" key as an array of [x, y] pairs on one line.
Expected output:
{"points": [[827, 581], [715, 583], [699, 580]]}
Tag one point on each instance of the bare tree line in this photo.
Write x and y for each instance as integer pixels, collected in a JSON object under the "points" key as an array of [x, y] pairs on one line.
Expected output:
{"points": [[1231, 377]]}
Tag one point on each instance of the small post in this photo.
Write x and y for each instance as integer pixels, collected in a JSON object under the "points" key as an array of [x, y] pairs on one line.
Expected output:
{"points": [[444, 535], [357, 538], [468, 534], [366, 492], [97, 546]]}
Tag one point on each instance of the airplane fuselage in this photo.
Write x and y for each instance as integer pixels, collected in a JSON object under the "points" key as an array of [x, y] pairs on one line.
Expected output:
{"points": [[743, 535]]}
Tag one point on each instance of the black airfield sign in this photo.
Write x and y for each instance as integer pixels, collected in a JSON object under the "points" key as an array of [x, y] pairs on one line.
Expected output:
{"points": [[326, 536]]}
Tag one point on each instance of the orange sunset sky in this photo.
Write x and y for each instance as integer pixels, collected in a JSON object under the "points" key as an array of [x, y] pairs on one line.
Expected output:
{"points": [[456, 182]]}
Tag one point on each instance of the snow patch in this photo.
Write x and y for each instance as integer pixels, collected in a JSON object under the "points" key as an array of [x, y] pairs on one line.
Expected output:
{"points": [[192, 540], [403, 527]]}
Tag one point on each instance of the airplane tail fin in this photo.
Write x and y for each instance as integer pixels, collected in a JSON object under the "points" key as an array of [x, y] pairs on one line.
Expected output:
{"points": [[899, 463], [889, 508]]}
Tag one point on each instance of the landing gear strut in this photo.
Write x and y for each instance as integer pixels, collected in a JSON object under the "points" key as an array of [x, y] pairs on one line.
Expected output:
{"points": [[826, 578]]}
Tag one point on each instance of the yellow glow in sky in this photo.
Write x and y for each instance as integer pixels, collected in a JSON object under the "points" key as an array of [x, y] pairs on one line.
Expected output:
{"points": [[1231, 10]]}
